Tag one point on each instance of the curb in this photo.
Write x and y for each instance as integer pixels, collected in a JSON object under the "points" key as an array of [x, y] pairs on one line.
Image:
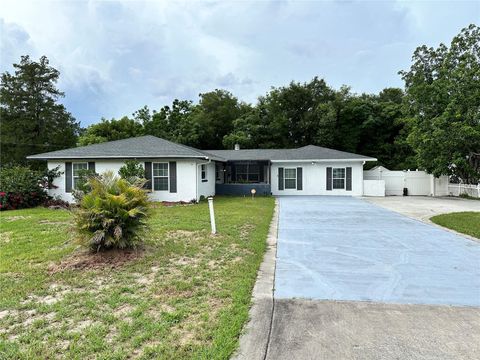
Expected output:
{"points": [[255, 335]]}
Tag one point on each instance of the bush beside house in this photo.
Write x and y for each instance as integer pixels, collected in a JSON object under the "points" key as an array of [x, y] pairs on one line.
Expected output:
{"points": [[113, 213], [21, 187]]}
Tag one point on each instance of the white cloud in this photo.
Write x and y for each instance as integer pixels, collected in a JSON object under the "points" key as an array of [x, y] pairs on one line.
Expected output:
{"points": [[114, 57]]}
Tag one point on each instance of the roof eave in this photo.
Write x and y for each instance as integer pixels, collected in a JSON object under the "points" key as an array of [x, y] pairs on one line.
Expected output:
{"points": [[325, 160], [39, 157]]}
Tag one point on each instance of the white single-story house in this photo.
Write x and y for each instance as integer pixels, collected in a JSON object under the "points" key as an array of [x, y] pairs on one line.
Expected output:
{"points": [[177, 172]]}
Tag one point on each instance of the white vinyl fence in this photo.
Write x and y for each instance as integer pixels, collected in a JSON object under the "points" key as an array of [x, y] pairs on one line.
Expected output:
{"points": [[417, 182], [459, 189], [373, 187]]}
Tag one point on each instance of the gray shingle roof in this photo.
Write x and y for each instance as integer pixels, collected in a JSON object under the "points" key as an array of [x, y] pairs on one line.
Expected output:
{"points": [[138, 147], [309, 152], [154, 147]]}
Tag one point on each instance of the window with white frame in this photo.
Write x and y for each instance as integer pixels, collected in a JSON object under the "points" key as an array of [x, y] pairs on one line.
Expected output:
{"points": [[290, 178], [338, 178], [160, 176], [76, 172], [204, 173]]}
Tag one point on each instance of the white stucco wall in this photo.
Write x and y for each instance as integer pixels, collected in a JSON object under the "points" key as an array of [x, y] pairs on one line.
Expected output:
{"points": [[188, 188], [206, 188], [315, 178]]}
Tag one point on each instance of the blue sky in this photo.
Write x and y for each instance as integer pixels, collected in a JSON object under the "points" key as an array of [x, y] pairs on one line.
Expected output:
{"points": [[116, 56]]}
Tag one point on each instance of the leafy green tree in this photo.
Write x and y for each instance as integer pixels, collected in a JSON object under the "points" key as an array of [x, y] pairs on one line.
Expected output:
{"points": [[296, 115], [171, 123], [443, 104], [212, 119], [109, 130], [378, 126], [31, 118], [132, 170]]}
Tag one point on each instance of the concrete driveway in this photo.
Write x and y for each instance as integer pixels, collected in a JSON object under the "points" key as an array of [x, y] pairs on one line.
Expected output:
{"points": [[344, 248], [357, 281], [424, 207]]}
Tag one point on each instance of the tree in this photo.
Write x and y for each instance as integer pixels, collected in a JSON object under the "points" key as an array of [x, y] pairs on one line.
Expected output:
{"points": [[109, 130], [132, 170], [443, 104], [212, 119], [292, 116], [31, 118], [171, 123]]}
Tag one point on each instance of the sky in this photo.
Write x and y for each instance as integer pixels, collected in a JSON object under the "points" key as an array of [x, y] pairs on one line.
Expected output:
{"points": [[117, 56]]}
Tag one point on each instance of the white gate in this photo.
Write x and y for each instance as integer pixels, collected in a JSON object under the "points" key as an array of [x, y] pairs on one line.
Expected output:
{"points": [[416, 182]]}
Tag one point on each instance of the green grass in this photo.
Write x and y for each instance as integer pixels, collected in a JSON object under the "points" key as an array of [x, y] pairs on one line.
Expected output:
{"points": [[465, 222], [186, 295]]}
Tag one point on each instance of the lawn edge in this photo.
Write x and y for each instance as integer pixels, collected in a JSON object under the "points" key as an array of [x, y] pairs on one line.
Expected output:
{"points": [[255, 334], [470, 237]]}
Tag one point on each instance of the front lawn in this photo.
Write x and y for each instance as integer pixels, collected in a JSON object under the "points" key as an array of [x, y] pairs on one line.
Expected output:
{"points": [[185, 295], [465, 222]]}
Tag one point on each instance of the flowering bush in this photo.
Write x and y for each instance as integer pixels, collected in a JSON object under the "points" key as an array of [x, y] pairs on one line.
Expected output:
{"points": [[21, 187]]}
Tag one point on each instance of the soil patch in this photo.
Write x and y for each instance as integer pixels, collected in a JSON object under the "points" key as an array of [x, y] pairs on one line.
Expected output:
{"points": [[15, 218], [49, 222], [85, 260]]}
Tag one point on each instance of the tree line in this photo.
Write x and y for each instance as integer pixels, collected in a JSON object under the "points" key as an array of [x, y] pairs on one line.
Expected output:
{"points": [[433, 123]]}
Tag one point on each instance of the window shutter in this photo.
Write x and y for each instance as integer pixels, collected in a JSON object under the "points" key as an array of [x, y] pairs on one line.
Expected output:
{"points": [[173, 176], [148, 175], [329, 178], [348, 183], [299, 178], [91, 166], [280, 178], [68, 177]]}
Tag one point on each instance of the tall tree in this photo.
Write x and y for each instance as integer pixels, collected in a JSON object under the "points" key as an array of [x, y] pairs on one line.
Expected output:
{"points": [[296, 115], [213, 118], [443, 102], [108, 130], [31, 118]]}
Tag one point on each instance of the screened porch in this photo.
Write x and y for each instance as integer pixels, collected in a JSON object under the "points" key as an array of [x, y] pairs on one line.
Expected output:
{"points": [[240, 177]]}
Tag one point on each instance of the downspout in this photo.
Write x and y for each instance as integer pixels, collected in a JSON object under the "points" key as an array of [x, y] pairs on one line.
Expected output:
{"points": [[196, 177]]}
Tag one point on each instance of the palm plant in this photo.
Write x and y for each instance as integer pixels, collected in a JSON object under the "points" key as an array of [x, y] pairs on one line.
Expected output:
{"points": [[113, 214]]}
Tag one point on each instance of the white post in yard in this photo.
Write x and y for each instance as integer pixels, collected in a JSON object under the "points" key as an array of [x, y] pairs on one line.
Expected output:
{"points": [[212, 215]]}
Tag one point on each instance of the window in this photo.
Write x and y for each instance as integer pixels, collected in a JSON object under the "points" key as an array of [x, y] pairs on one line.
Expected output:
{"points": [[204, 173], [290, 178], [338, 178], [160, 176], [247, 173], [76, 169]]}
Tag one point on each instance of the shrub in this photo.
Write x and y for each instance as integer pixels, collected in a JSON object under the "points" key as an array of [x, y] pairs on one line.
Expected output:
{"points": [[132, 170], [56, 203], [113, 214], [82, 186], [21, 187]]}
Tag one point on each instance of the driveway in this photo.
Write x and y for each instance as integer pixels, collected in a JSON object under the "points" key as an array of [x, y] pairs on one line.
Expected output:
{"points": [[357, 281], [344, 248], [424, 207]]}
